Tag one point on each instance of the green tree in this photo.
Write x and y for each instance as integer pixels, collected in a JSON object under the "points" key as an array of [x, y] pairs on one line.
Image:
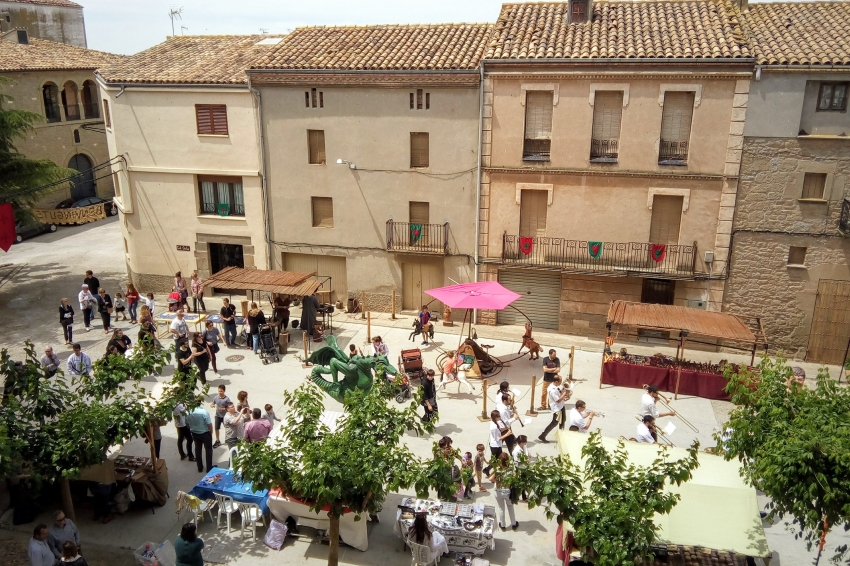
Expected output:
{"points": [[609, 502], [19, 175], [793, 443], [353, 467]]}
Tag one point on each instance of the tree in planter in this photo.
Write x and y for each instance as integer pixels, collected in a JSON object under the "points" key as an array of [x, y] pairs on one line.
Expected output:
{"points": [[610, 503], [354, 467], [793, 443]]}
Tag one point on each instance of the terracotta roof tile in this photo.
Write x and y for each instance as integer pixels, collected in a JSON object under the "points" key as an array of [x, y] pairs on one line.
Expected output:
{"points": [[63, 3], [382, 47], [197, 59], [41, 54], [800, 33], [684, 29]]}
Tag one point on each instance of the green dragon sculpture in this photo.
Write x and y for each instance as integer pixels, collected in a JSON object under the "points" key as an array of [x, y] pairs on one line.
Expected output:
{"points": [[356, 371]]}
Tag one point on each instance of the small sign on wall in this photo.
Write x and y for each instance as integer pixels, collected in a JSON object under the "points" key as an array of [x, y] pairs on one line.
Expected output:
{"points": [[184, 248]]}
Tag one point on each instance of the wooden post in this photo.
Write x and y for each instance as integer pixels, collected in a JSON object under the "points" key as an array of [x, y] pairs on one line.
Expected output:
{"points": [[362, 305], [305, 345], [393, 307], [572, 359], [679, 369], [484, 415], [368, 327], [531, 412], [149, 435]]}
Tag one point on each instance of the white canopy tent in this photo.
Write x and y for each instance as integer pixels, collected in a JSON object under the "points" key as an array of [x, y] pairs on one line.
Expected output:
{"points": [[717, 509]]}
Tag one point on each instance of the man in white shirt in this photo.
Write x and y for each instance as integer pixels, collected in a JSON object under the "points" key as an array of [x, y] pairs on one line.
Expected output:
{"points": [[78, 362], [50, 361], [557, 400], [39, 552], [505, 413], [647, 404], [643, 432], [579, 418], [86, 300], [179, 329]]}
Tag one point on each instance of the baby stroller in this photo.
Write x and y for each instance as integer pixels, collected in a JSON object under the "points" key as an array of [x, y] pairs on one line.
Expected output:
{"points": [[268, 349], [175, 301], [410, 367]]}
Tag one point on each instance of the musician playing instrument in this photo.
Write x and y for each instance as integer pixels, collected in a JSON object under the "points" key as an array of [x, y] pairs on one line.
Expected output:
{"points": [[580, 418], [647, 404], [558, 396], [646, 430]]}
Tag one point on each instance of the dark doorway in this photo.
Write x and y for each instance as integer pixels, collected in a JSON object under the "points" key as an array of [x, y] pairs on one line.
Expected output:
{"points": [[225, 255], [82, 185], [658, 291]]}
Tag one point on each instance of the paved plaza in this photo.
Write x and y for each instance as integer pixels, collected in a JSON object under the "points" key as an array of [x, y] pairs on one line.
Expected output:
{"points": [[37, 273]]}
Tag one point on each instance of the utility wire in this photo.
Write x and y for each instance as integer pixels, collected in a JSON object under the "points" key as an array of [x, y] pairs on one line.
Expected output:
{"points": [[70, 179]]}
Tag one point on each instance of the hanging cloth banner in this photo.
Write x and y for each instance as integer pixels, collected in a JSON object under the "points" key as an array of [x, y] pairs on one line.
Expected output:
{"points": [[657, 252], [415, 233], [526, 244], [594, 249], [7, 226]]}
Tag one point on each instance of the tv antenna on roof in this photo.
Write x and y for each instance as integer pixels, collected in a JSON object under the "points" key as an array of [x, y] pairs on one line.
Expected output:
{"points": [[183, 28], [175, 13], [264, 31]]}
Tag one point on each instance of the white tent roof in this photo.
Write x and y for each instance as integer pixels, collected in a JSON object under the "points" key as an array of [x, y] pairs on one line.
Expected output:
{"points": [[718, 510]]}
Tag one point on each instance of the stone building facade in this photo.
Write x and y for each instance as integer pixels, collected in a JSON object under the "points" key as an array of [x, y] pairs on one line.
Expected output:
{"points": [[56, 20], [790, 256], [623, 201]]}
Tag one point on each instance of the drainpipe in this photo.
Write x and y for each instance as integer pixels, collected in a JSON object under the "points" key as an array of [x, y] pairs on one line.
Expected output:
{"points": [[478, 180], [263, 175]]}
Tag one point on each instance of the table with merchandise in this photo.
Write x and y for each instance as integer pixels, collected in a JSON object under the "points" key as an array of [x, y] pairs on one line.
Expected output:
{"points": [[466, 528]]}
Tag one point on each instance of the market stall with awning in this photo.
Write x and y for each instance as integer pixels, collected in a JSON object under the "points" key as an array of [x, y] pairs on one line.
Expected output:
{"points": [[718, 511], [272, 281], [682, 325]]}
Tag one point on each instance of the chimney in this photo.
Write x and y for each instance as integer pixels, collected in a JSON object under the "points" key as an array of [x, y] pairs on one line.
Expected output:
{"points": [[580, 11], [744, 6]]}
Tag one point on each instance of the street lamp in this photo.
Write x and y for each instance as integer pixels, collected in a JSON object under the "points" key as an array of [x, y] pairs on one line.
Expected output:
{"points": [[346, 162]]}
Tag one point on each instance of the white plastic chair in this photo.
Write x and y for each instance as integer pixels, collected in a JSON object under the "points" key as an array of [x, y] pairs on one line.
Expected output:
{"points": [[227, 506], [422, 555], [233, 452], [207, 507], [251, 515]]}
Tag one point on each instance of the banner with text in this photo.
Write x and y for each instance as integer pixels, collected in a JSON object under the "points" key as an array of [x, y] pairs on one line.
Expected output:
{"points": [[82, 215]]}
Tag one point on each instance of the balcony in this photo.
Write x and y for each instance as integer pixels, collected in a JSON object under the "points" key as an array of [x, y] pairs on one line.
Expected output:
{"points": [[52, 113], [92, 110], [844, 221], [72, 112], [604, 151], [404, 237], [601, 258], [673, 153], [536, 150]]}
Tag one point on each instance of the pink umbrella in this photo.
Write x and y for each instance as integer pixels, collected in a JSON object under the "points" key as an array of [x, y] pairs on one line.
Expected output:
{"points": [[488, 295]]}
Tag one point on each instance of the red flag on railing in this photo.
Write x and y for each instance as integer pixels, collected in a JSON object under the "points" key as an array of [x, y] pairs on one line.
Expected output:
{"points": [[526, 244], [7, 226], [657, 252]]}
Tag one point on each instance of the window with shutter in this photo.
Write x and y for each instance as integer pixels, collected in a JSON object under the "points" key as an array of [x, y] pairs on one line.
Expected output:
{"points": [[532, 213], [607, 114], [221, 196], [676, 120], [419, 212], [316, 146], [666, 220], [323, 212], [211, 119], [107, 117], [813, 186], [419, 149], [538, 125]]}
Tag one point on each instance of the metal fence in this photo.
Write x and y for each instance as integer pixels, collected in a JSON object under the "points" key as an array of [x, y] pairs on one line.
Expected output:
{"points": [[92, 110], [418, 238], [673, 151], [604, 149], [577, 256]]}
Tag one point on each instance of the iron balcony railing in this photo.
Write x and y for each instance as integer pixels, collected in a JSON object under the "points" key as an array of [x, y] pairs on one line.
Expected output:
{"points": [[844, 221], [72, 112], [604, 150], [536, 150], [418, 238], [673, 151], [52, 113], [613, 258], [91, 110]]}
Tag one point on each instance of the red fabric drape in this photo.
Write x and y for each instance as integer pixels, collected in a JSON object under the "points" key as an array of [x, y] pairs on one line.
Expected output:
{"points": [[7, 226]]}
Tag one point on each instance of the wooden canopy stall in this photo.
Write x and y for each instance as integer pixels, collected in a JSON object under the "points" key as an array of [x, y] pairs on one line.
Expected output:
{"points": [[273, 282], [676, 375]]}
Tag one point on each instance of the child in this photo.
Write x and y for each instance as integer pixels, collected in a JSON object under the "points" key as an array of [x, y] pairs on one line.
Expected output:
{"points": [[466, 470], [269, 415], [478, 465], [151, 303], [118, 302]]}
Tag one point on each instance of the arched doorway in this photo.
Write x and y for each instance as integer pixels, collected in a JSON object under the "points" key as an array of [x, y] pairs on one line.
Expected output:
{"points": [[90, 105], [82, 185], [50, 94], [70, 102]]}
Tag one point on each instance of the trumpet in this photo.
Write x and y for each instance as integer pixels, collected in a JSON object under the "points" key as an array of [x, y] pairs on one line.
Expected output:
{"points": [[599, 414], [665, 402]]}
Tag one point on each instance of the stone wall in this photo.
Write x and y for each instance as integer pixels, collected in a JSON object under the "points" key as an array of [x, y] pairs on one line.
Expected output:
{"points": [[150, 283], [202, 251], [770, 219]]}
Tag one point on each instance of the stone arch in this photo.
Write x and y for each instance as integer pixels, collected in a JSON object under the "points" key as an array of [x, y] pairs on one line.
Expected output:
{"points": [[71, 100], [50, 98]]}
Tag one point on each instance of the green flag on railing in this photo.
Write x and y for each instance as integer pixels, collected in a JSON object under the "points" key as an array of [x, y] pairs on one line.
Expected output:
{"points": [[594, 249], [415, 233]]}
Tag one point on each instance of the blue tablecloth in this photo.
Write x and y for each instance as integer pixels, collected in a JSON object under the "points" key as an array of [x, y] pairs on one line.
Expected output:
{"points": [[240, 492], [216, 318]]}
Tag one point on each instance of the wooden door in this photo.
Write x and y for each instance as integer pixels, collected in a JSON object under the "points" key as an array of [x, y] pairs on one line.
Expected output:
{"points": [[416, 278], [666, 219], [830, 323], [532, 213]]}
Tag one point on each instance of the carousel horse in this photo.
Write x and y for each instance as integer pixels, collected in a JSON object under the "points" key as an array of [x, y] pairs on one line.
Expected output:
{"points": [[534, 348]]}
